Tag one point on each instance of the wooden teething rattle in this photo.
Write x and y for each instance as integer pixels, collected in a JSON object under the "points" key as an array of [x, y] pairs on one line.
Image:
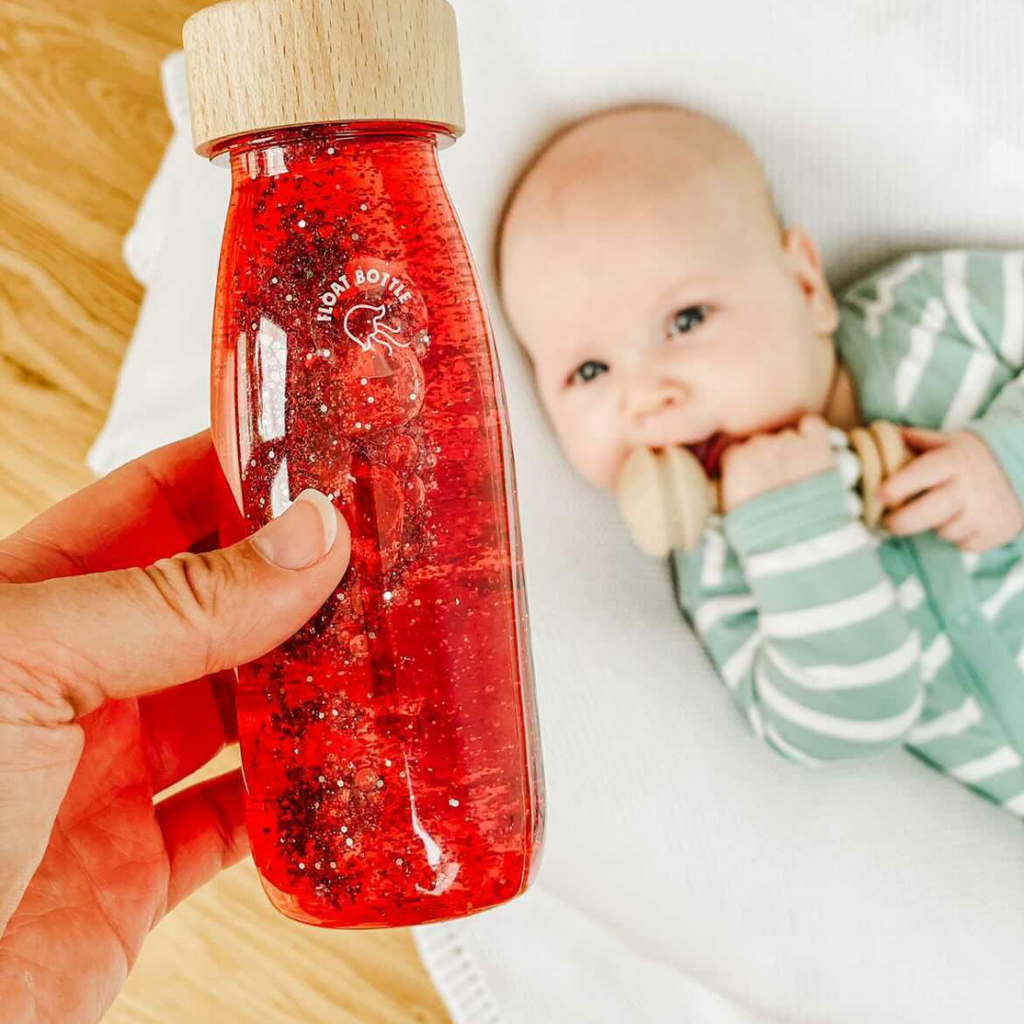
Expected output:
{"points": [[666, 497]]}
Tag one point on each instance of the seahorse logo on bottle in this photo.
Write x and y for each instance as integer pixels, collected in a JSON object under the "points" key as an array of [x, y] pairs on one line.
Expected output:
{"points": [[379, 334]]}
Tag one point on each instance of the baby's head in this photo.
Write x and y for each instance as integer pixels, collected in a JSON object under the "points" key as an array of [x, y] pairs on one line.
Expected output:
{"points": [[643, 266]]}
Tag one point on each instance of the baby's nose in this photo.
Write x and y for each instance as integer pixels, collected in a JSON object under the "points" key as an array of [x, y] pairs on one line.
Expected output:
{"points": [[646, 400]]}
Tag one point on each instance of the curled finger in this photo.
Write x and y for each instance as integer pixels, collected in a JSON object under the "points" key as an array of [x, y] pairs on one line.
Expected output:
{"points": [[976, 543], [186, 726], [923, 473], [928, 512], [204, 833], [957, 529], [921, 440]]}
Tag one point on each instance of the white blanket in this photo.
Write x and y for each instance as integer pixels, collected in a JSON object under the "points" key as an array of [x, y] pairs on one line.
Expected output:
{"points": [[690, 874]]}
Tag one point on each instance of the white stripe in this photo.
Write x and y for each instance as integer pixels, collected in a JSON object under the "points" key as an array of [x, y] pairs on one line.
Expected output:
{"points": [[807, 553], [1000, 760], [953, 723], [973, 384], [937, 653], [1015, 804], [836, 615], [971, 392], [712, 565], [857, 730], [754, 717], [910, 593], [919, 355], [885, 289], [970, 560], [789, 750], [1011, 345], [954, 279], [715, 608], [854, 506], [827, 678], [738, 664], [1011, 587]]}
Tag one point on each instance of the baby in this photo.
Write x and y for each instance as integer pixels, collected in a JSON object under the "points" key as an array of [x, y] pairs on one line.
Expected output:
{"points": [[645, 269]]}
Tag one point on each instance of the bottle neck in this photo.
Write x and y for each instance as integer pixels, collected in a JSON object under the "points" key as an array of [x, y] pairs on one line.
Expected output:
{"points": [[275, 151]]}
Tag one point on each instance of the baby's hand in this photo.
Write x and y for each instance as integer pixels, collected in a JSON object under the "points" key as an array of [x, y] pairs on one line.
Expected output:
{"points": [[766, 462], [961, 492]]}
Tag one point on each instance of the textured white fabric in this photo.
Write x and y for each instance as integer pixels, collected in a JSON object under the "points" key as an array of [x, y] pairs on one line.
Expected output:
{"points": [[689, 871]]}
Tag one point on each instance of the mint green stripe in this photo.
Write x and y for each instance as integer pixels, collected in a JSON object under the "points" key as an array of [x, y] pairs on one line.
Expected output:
{"points": [[985, 300], [824, 748], [941, 379], [830, 581], [864, 704]]}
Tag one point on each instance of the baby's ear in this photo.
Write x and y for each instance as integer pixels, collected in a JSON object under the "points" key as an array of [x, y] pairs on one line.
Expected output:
{"points": [[804, 262]]}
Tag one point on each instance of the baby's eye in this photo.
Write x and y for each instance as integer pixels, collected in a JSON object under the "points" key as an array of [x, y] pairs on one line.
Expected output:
{"points": [[587, 371], [686, 319]]}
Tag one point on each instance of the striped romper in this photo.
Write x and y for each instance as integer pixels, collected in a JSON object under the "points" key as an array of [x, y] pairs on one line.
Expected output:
{"points": [[838, 643]]}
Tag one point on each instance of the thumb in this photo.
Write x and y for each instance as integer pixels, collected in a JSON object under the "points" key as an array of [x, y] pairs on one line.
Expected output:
{"points": [[72, 643]]}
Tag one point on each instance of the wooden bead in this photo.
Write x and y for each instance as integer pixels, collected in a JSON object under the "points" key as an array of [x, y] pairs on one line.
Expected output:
{"points": [[255, 65], [891, 447], [866, 447], [664, 499]]}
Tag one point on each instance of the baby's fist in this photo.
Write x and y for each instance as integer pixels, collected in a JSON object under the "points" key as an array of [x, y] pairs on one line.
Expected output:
{"points": [[959, 490], [766, 462]]}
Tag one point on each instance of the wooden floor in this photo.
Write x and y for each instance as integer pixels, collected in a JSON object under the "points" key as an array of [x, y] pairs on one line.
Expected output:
{"points": [[83, 129]]}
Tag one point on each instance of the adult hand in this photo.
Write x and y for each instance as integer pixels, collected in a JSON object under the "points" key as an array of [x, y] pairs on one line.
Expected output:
{"points": [[958, 489], [112, 688]]}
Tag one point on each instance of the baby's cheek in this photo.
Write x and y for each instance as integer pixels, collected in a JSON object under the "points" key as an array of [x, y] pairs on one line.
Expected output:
{"points": [[756, 385], [593, 448]]}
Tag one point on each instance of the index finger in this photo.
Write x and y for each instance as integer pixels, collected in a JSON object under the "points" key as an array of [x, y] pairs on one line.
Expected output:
{"points": [[920, 474], [156, 505], [921, 440]]}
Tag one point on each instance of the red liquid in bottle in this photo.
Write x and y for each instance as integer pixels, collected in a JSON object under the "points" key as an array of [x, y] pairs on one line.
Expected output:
{"points": [[390, 748]]}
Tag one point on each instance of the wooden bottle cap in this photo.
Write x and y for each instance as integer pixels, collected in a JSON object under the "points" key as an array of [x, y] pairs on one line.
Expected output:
{"points": [[255, 65]]}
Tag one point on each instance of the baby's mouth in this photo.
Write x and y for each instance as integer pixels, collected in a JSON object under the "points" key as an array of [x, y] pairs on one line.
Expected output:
{"points": [[709, 452]]}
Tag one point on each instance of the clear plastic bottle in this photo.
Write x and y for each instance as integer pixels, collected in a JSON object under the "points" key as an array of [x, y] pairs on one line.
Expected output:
{"points": [[390, 748]]}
